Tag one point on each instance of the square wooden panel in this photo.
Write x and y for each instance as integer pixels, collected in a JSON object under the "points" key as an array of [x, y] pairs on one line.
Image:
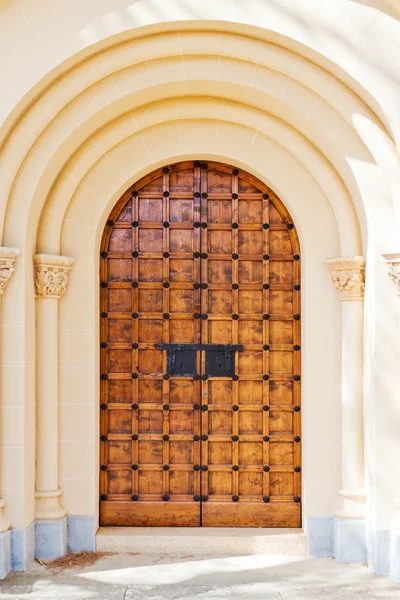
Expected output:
{"points": [[220, 392], [181, 301], [250, 242], [181, 240], [150, 452], [150, 210], [281, 302], [281, 453], [250, 453], [181, 421], [150, 390], [280, 422], [125, 215], [150, 361], [250, 362], [279, 242], [250, 301], [219, 211], [280, 272], [120, 330], [219, 271], [250, 483], [119, 269], [181, 181], [220, 421], [280, 392], [181, 331], [281, 483], [120, 361], [220, 483], [281, 362], [180, 270], [119, 481], [180, 211], [219, 242], [150, 301], [250, 271], [219, 332], [219, 453], [250, 422], [218, 182], [220, 302], [120, 421], [119, 300], [120, 240], [119, 390], [150, 482], [150, 421], [281, 332], [274, 216], [181, 482], [151, 240], [119, 452], [250, 332], [150, 330], [181, 452], [150, 269], [181, 391], [250, 392], [250, 211]]}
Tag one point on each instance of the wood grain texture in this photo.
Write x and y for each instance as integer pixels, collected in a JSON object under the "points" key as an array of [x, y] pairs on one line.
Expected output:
{"points": [[200, 253]]}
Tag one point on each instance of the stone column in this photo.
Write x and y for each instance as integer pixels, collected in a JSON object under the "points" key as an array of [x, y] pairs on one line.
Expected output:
{"points": [[7, 260], [348, 278], [51, 278]]}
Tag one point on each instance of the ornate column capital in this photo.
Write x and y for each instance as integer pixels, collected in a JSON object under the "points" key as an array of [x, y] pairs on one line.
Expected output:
{"points": [[393, 268], [7, 260], [51, 275], [348, 276]]}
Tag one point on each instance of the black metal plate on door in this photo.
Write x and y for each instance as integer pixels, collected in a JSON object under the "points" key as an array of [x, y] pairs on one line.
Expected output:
{"points": [[181, 359]]}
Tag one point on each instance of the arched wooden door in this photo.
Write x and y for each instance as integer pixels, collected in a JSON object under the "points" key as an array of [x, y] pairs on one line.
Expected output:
{"points": [[200, 353]]}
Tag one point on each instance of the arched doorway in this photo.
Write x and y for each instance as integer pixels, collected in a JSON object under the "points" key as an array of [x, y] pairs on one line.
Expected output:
{"points": [[200, 353]]}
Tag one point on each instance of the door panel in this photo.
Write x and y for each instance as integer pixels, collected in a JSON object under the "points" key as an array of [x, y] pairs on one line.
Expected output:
{"points": [[200, 254]]}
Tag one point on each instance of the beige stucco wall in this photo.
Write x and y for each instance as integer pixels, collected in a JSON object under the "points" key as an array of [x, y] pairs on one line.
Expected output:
{"points": [[293, 93]]}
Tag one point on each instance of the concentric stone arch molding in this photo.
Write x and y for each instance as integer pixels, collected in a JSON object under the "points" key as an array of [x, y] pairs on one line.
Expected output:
{"points": [[81, 173], [30, 160]]}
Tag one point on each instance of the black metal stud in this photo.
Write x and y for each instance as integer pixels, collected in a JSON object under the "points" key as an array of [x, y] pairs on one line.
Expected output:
{"points": [[204, 286], [196, 438], [235, 377], [204, 498], [290, 225], [204, 438], [235, 196], [135, 437], [165, 170], [166, 254], [135, 406], [296, 409], [204, 255], [235, 225], [296, 317], [235, 286], [265, 225], [103, 438], [104, 254], [235, 498], [296, 438], [266, 286], [197, 255], [165, 468], [196, 407], [104, 376], [165, 406], [165, 437], [235, 438], [266, 469], [196, 377], [296, 287], [235, 468], [197, 194], [235, 172], [135, 194], [103, 467], [266, 256], [135, 467], [135, 315], [265, 408], [265, 377], [196, 286], [204, 316], [204, 165], [296, 499], [265, 498], [135, 254], [235, 408], [266, 317], [296, 348], [104, 315], [135, 497], [135, 375], [135, 346], [296, 377], [165, 194], [296, 257], [266, 438], [135, 223], [196, 498], [265, 347], [166, 284], [204, 195], [103, 497], [265, 196], [204, 468], [103, 406], [204, 408], [165, 497], [197, 224], [197, 164], [235, 256], [110, 223], [297, 469], [204, 378], [165, 315], [165, 224], [204, 225], [235, 317], [104, 284]]}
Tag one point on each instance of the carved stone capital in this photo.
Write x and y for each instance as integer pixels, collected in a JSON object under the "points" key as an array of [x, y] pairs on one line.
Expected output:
{"points": [[348, 276], [393, 268], [7, 260], [51, 275]]}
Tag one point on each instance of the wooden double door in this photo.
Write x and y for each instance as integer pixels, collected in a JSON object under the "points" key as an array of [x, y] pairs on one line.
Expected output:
{"points": [[200, 353]]}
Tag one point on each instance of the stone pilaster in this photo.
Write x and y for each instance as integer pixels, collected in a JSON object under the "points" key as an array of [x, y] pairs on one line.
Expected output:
{"points": [[51, 279], [348, 278]]}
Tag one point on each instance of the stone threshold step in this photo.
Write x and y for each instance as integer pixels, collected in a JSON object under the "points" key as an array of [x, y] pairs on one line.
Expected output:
{"points": [[201, 541]]}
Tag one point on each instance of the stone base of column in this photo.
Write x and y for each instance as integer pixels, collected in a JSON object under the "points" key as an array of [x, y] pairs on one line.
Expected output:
{"points": [[320, 536], [5, 553], [350, 540], [394, 555], [51, 538], [81, 533], [48, 505], [22, 547]]}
